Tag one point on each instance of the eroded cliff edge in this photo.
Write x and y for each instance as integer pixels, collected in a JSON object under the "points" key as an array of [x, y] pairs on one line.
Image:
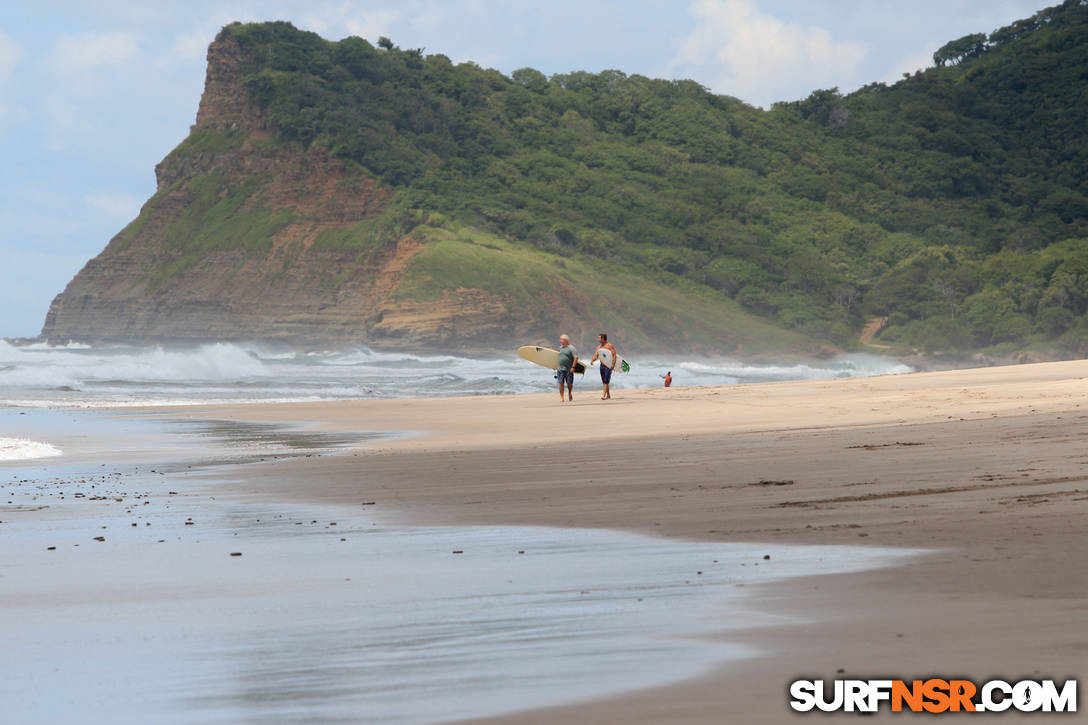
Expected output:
{"points": [[229, 247], [252, 238]]}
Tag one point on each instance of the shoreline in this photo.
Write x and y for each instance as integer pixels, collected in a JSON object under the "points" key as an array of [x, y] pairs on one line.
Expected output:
{"points": [[983, 468], [984, 465], [510, 420], [148, 580]]}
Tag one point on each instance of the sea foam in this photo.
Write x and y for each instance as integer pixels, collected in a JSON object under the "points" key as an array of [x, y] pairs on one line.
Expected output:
{"points": [[43, 376], [19, 449]]}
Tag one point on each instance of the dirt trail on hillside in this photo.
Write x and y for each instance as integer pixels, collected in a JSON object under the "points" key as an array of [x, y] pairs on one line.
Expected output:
{"points": [[872, 327]]}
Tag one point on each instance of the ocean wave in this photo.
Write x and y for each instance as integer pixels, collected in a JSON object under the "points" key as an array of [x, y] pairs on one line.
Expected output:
{"points": [[37, 376], [19, 449], [53, 367], [364, 356], [856, 365], [67, 346], [152, 402]]}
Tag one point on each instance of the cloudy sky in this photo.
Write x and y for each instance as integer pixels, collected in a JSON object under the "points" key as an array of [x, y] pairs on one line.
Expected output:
{"points": [[93, 93]]}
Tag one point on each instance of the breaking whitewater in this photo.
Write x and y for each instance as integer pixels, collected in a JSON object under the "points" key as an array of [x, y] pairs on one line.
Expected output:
{"points": [[75, 375]]}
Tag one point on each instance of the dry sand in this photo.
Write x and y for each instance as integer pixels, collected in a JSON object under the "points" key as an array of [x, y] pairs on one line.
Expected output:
{"points": [[987, 466]]}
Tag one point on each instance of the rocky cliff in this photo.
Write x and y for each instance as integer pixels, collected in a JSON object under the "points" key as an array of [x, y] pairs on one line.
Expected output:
{"points": [[341, 193], [252, 238], [152, 283]]}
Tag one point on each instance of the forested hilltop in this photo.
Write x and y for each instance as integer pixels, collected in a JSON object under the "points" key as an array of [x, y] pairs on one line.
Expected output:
{"points": [[953, 203]]}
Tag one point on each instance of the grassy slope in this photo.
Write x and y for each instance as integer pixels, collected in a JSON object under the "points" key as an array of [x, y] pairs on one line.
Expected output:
{"points": [[648, 311]]}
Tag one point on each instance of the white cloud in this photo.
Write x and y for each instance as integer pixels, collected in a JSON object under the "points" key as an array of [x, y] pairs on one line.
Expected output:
{"points": [[319, 21], [192, 45], [475, 7], [94, 49], [9, 55], [37, 224], [192, 35], [9, 58], [38, 198], [738, 50], [337, 19], [910, 63], [373, 25], [484, 60], [117, 205], [66, 117], [32, 278], [429, 22], [13, 114]]}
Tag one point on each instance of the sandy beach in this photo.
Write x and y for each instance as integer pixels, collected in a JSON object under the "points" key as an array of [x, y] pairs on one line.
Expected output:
{"points": [[987, 467], [193, 575]]}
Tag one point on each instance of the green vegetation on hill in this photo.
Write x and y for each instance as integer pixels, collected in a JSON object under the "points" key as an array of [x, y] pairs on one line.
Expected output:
{"points": [[954, 202], [456, 257]]}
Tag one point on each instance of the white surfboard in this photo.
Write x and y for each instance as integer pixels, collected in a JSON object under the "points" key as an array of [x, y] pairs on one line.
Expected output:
{"points": [[546, 357], [604, 357]]}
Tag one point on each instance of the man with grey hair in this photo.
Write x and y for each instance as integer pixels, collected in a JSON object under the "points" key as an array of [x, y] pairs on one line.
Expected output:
{"points": [[564, 370]]}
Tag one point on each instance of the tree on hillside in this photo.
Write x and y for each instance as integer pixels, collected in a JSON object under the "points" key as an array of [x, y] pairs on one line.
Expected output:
{"points": [[957, 51], [530, 78], [820, 104]]}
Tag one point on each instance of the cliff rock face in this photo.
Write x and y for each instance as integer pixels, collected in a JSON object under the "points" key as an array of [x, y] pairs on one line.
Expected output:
{"points": [[265, 226], [229, 249]]}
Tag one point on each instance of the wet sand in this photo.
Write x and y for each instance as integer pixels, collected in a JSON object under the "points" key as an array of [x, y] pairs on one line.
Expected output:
{"points": [[189, 600], [988, 466]]}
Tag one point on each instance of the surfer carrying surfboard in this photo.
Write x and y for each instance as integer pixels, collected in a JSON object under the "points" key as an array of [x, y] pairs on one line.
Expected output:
{"points": [[607, 353], [564, 370]]}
